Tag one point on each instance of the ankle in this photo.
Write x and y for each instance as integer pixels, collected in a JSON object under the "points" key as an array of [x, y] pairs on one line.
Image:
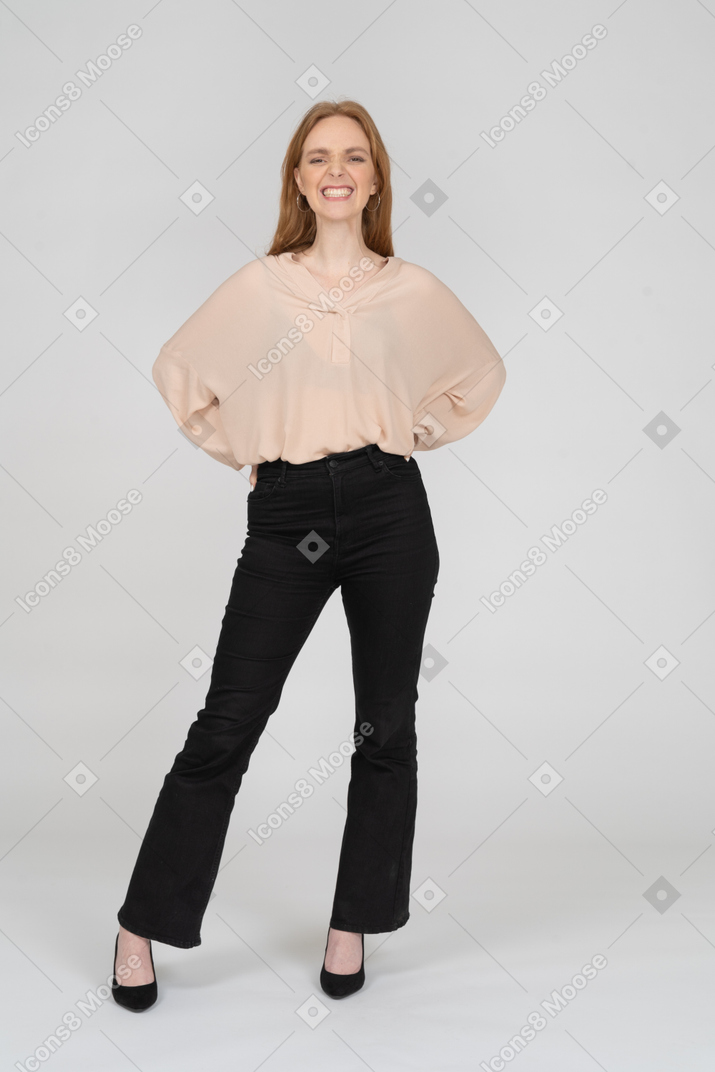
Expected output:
{"points": [[129, 938]]}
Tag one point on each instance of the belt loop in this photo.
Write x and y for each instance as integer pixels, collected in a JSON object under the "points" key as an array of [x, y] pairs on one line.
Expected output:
{"points": [[282, 477], [377, 463]]}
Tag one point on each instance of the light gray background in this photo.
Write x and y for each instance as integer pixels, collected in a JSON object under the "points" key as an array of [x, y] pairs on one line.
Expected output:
{"points": [[527, 886]]}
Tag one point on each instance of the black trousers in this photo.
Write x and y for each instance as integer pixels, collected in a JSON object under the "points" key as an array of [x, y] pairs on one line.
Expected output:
{"points": [[359, 520]]}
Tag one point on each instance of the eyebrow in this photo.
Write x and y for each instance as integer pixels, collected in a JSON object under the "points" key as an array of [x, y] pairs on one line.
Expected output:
{"points": [[355, 148]]}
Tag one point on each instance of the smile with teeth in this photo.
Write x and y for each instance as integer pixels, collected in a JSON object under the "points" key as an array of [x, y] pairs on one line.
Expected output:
{"points": [[337, 193]]}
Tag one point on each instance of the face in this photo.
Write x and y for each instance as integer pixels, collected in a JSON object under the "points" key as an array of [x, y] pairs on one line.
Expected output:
{"points": [[336, 171]]}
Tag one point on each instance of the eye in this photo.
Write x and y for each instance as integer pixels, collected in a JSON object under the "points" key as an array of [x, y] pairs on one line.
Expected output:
{"points": [[318, 159]]}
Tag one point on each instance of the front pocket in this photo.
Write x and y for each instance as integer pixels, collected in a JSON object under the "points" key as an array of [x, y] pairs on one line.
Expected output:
{"points": [[265, 486], [402, 470]]}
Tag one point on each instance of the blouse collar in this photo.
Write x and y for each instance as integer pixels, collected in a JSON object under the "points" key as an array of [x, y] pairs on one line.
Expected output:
{"points": [[300, 276]]}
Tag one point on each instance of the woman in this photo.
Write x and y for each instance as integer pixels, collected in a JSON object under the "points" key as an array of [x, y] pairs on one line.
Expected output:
{"points": [[324, 365]]}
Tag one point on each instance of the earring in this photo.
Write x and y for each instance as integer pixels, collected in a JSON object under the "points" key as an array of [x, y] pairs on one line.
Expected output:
{"points": [[376, 206], [297, 201]]}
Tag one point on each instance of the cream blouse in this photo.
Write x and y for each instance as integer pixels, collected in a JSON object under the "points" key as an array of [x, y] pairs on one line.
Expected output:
{"points": [[273, 366]]}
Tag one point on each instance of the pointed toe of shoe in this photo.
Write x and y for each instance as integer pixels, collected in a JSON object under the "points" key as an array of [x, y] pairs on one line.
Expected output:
{"points": [[339, 986], [136, 998]]}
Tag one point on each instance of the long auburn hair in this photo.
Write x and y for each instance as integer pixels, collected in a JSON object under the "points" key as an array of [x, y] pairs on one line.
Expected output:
{"points": [[296, 228]]}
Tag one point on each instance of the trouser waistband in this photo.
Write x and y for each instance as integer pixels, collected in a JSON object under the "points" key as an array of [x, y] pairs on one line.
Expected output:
{"points": [[346, 459]]}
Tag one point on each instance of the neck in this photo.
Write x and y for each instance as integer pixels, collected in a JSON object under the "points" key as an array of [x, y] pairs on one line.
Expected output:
{"points": [[337, 247]]}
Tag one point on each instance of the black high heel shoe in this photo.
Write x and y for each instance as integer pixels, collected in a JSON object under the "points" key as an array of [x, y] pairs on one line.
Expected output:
{"points": [[339, 986], [136, 998]]}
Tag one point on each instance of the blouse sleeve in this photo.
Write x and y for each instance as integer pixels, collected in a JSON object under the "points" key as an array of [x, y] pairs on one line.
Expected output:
{"points": [[194, 406], [450, 411]]}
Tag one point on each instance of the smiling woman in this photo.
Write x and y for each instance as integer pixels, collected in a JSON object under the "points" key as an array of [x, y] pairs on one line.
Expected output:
{"points": [[385, 361], [321, 168]]}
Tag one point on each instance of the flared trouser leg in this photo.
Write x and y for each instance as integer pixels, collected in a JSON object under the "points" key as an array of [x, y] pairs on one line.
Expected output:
{"points": [[264, 627], [387, 623], [367, 529]]}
